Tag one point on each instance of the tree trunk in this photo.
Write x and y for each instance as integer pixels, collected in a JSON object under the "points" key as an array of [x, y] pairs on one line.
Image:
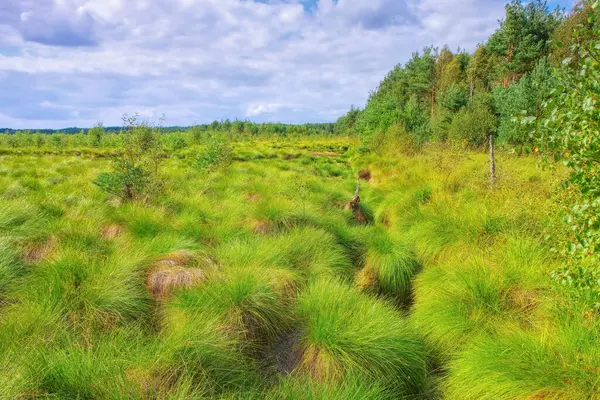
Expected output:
{"points": [[432, 100], [492, 161], [509, 57], [471, 89], [354, 205]]}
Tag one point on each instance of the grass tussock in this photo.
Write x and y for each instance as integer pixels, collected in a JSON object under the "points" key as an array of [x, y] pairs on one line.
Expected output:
{"points": [[344, 331], [252, 281]]}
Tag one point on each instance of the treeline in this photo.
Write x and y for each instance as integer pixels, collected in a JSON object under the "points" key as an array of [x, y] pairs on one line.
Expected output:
{"points": [[462, 98], [174, 136]]}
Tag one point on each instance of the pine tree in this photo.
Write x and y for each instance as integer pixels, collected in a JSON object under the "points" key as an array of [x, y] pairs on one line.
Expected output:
{"points": [[524, 36], [479, 70]]}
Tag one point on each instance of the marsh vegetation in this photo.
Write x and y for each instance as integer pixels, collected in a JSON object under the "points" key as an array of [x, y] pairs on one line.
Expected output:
{"points": [[371, 259]]}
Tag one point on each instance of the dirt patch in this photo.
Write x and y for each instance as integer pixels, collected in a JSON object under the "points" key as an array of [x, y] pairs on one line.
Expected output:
{"points": [[39, 251], [325, 154], [365, 174], [287, 352], [289, 156], [282, 355]]}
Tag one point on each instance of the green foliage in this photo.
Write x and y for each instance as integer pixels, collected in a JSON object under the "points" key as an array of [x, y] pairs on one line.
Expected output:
{"points": [[96, 134], [394, 264], [176, 142], [576, 29], [569, 131], [262, 263], [494, 368], [524, 36], [479, 70], [524, 98], [428, 95], [454, 73], [455, 98], [345, 331], [345, 124], [472, 126], [216, 154], [135, 174]]}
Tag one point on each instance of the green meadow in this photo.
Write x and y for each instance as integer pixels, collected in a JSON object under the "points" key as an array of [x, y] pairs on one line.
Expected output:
{"points": [[257, 280]]}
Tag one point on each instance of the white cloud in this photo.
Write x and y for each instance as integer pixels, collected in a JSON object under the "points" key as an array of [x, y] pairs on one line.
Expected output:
{"points": [[199, 60], [260, 109]]}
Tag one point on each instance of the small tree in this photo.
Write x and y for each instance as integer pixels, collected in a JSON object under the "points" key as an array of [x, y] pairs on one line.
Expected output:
{"points": [[96, 133], [217, 154], [570, 131], [197, 133], [135, 174]]}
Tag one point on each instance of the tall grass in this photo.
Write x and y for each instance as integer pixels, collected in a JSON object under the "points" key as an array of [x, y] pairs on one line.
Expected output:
{"points": [[444, 292], [344, 331]]}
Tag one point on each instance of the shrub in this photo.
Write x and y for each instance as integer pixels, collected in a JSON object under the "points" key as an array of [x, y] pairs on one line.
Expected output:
{"points": [[135, 174], [472, 126], [217, 154], [95, 134], [176, 142]]}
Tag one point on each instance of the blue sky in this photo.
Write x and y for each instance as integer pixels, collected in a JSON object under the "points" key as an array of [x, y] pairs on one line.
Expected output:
{"points": [[75, 62]]}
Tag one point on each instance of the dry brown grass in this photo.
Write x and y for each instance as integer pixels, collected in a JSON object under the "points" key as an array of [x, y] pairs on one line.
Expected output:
{"points": [[366, 280], [320, 365], [162, 283], [325, 154], [178, 270], [365, 174], [111, 231], [39, 251], [260, 226], [253, 197]]}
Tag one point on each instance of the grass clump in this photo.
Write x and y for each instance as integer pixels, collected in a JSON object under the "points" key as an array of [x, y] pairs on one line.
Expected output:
{"points": [[563, 364], [242, 283], [392, 265], [344, 331], [351, 388]]}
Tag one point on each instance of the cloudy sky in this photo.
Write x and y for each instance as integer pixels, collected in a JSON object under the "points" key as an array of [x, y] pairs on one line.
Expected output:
{"points": [[75, 62]]}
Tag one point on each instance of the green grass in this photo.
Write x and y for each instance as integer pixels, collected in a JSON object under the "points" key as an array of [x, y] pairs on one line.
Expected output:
{"points": [[344, 331], [443, 292]]}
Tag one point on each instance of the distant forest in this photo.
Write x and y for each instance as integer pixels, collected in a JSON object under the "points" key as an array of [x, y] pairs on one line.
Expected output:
{"points": [[236, 126]]}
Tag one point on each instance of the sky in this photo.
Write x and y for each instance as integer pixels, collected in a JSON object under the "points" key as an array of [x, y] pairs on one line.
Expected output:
{"points": [[67, 63]]}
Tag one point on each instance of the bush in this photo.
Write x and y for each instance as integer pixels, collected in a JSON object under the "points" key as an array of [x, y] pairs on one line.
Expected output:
{"points": [[135, 174], [217, 154], [455, 98], [95, 134], [570, 132], [472, 126]]}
